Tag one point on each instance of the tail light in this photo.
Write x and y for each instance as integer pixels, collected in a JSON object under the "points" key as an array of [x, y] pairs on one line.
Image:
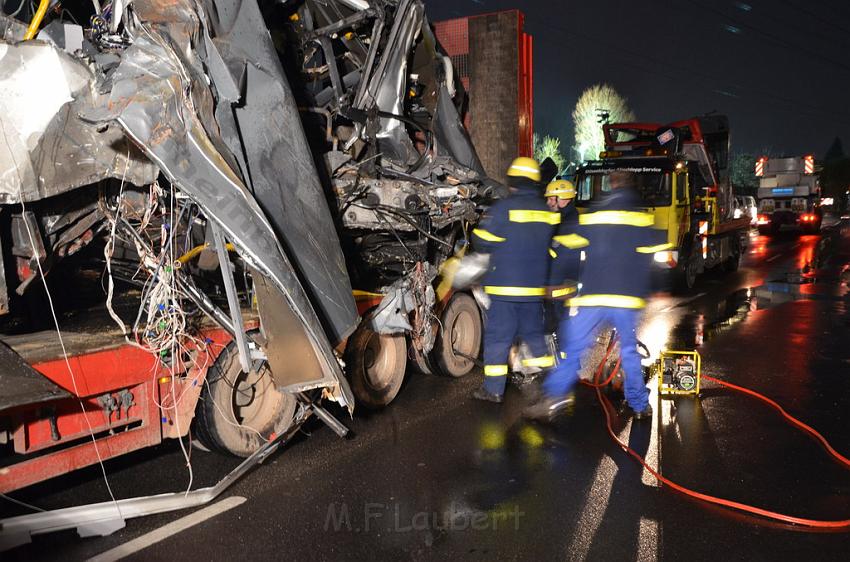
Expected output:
{"points": [[808, 217], [763, 219]]}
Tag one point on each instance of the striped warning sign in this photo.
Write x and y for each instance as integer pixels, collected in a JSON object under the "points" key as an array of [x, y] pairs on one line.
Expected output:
{"points": [[809, 164], [760, 166]]}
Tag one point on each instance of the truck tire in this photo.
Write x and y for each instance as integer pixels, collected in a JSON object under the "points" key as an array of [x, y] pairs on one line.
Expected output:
{"points": [[685, 274], [460, 336], [732, 263], [238, 412], [376, 366]]}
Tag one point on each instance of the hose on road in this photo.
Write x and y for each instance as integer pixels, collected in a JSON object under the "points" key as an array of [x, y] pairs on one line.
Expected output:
{"points": [[608, 407]]}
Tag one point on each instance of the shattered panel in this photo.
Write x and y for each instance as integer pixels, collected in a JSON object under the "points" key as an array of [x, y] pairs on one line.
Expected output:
{"points": [[45, 148], [281, 169], [148, 101]]}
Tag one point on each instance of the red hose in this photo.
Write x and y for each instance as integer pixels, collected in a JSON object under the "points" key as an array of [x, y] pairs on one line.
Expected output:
{"points": [[815, 523]]}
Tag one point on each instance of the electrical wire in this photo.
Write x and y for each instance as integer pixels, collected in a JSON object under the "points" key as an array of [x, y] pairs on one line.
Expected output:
{"points": [[20, 503], [61, 339], [677, 78]]}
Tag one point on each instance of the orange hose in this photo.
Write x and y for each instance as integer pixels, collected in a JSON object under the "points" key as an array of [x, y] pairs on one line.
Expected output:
{"points": [[815, 523]]}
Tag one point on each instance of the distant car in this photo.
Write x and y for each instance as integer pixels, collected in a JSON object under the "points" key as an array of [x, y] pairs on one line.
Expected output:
{"points": [[752, 208], [745, 206]]}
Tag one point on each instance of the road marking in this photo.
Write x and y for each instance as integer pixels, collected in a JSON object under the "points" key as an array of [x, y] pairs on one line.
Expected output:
{"points": [[168, 530], [795, 246], [776, 257]]}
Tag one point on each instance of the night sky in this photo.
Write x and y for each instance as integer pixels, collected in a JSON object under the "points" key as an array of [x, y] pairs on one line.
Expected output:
{"points": [[779, 68]]}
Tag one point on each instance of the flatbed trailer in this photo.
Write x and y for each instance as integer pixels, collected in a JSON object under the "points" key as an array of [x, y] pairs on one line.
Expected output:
{"points": [[108, 398]]}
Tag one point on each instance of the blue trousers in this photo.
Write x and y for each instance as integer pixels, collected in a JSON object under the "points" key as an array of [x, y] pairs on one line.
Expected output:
{"points": [[508, 321], [577, 333]]}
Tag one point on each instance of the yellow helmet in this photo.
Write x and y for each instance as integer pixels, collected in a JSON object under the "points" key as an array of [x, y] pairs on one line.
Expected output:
{"points": [[562, 189], [524, 167]]}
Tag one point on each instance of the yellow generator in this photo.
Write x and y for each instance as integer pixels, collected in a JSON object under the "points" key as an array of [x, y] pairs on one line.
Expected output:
{"points": [[678, 372]]}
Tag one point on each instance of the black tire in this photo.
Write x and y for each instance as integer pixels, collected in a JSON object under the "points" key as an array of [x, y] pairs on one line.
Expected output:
{"points": [[460, 336], [421, 362], [732, 264], [238, 412], [685, 274], [376, 366]]}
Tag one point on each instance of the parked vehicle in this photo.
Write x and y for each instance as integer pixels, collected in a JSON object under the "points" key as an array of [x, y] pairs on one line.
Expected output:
{"points": [[789, 194]]}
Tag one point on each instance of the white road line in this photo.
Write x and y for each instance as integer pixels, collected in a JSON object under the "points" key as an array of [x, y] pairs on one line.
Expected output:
{"points": [[168, 530], [776, 257]]}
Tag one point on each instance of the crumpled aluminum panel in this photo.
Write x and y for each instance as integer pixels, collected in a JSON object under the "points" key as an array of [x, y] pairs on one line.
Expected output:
{"points": [[176, 130], [45, 148], [281, 171]]}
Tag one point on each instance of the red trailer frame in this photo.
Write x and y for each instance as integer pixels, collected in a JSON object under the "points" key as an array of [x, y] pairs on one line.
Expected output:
{"points": [[130, 400]]}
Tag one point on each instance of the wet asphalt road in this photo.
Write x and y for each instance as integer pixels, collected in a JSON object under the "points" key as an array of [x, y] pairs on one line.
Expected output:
{"points": [[437, 475]]}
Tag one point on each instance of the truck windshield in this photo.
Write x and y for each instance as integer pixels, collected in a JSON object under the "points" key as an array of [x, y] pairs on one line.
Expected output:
{"points": [[654, 187]]}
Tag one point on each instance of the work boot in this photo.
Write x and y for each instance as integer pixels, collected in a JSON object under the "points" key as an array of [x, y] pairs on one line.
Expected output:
{"points": [[521, 380], [645, 414], [532, 392], [627, 411], [487, 396], [546, 409]]}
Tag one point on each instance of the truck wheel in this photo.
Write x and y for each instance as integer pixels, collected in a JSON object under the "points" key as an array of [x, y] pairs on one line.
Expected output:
{"points": [[376, 365], [734, 261], [238, 412], [460, 336], [685, 275]]}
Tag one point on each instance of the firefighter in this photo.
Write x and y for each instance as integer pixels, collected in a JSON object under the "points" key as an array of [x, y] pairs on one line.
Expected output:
{"points": [[517, 232], [560, 195], [619, 241], [564, 269]]}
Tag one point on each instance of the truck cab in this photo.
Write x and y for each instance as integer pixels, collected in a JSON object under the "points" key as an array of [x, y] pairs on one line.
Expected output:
{"points": [[680, 173]]}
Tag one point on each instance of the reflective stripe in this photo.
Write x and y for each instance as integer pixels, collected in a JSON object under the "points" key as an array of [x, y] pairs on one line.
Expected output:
{"points": [[515, 291], [522, 215], [572, 241], [628, 218], [563, 291], [552, 253], [528, 169], [653, 249], [495, 370], [545, 361], [488, 236], [615, 301]]}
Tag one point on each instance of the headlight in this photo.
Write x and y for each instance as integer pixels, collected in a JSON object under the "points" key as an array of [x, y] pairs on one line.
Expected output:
{"points": [[668, 257]]}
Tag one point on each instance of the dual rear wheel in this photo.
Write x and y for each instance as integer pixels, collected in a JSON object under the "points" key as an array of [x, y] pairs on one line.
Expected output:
{"points": [[377, 362]]}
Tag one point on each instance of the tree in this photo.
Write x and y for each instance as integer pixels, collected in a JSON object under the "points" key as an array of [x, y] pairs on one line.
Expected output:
{"points": [[597, 105], [549, 147], [743, 170], [834, 152]]}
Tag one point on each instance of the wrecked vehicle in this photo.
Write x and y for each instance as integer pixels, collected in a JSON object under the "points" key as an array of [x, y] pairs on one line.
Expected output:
{"points": [[218, 216]]}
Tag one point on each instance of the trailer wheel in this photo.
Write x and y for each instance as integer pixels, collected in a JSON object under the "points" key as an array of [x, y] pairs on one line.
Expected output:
{"points": [[460, 336], [376, 365], [238, 411]]}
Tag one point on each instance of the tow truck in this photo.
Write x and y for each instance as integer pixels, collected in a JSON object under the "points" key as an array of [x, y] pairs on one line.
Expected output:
{"points": [[682, 174]]}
